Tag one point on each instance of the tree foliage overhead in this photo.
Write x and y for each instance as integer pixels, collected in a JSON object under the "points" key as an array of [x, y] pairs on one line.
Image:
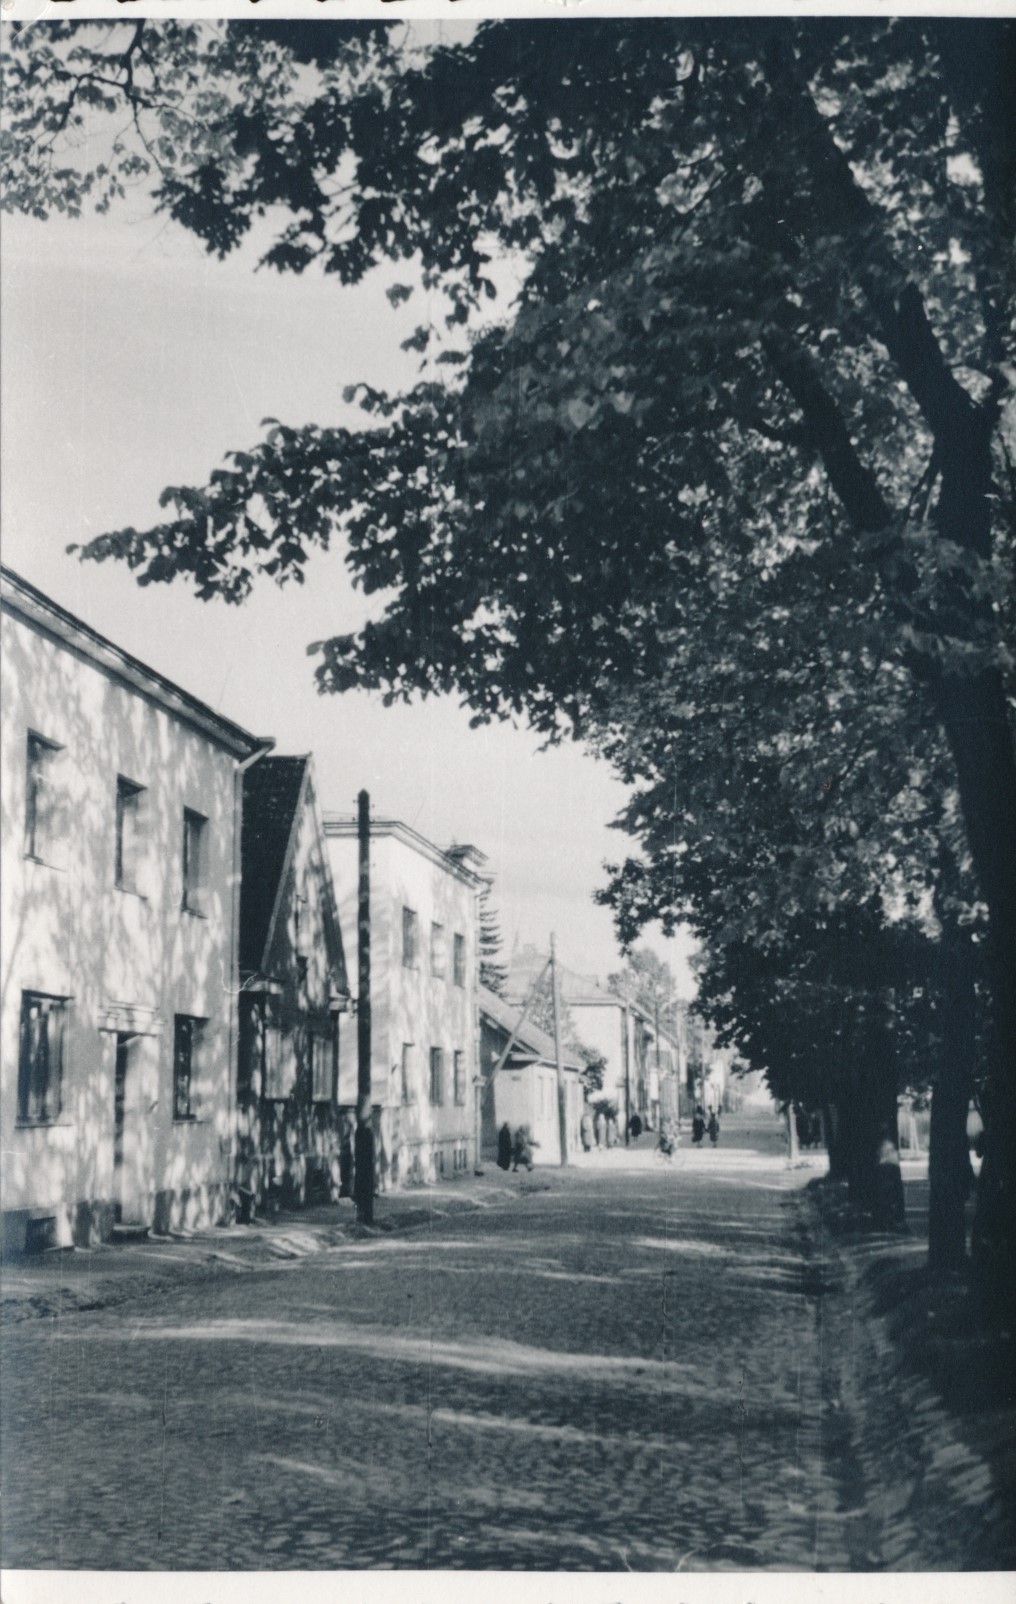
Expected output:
{"points": [[648, 981], [726, 487]]}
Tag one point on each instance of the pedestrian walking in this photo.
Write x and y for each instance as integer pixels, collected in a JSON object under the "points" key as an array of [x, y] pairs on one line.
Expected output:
{"points": [[890, 1212], [714, 1127], [601, 1129], [504, 1147], [586, 1130], [666, 1146], [802, 1123], [611, 1131], [522, 1150], [635, 1125], [698, 1126]]}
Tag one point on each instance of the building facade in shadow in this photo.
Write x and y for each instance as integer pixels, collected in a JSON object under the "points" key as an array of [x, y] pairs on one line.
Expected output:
{"points": [[292, 992]]}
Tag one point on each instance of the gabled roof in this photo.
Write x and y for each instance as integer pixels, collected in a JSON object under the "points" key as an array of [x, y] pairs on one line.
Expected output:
{"points": [[45, 615], [533, 1042], [274, 793], [582, 991]]}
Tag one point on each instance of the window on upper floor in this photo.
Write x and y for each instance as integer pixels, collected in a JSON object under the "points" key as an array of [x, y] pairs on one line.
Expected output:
{"points": [[437, 1076], [323, 1053], [129, 832], [188, 1039], [459, 1076], [438, 953], [281, 1056], [410, 938], [459, 959], [40, 1057], [45, 821], [195, 869]]}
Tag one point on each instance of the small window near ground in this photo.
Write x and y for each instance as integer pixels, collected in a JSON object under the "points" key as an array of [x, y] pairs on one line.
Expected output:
{"points": [[129, 803], [436, 1076], [460, 1077], [410, 925], [195, 841], [438, 956], [43, 815], [188, 1032], [459, 960], [40, 1059]]}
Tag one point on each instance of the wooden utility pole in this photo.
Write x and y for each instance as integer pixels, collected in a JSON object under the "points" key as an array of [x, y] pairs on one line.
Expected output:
{"points": [[626, 1047], [659, 1088], [562, 1090], [793, 1151], [363, 1151]]}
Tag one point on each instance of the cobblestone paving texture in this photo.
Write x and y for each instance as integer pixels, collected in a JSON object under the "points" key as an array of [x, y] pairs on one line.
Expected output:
{"points": [[626, 1365]]}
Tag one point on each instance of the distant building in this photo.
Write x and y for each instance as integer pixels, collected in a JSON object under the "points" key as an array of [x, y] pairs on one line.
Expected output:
{"points": [[293, 989], [120, 819], [618, 1031], [423, 951], [708, 1068], [524, 1090]]}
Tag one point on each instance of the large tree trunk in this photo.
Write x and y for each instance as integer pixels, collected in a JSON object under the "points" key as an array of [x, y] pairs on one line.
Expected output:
{"points": [[994, 1234], [973, 704], [833, 1141], [874, 1178], [949, 1171], [976, 720]]}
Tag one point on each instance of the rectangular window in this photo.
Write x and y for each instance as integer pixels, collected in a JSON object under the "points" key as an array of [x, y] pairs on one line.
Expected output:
{"points": [[459, 960], [438, 956], [283, 1049], [128, 833], [42, 822], [437, 1076], [409, 938], [195, 827], [40, 1059], [459, 1064], [322, 1061], [272, 1078], [408, 1073], [187, 1037]]}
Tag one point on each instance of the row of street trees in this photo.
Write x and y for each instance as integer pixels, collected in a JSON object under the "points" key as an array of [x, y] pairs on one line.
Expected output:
{"points": [[723, 487]]}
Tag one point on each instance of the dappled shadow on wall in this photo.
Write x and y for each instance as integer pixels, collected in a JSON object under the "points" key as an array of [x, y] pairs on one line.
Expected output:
{"points": [[118, 858]]}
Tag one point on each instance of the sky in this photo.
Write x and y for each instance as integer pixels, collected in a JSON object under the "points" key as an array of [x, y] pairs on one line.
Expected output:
{"points": [[132, 360]]}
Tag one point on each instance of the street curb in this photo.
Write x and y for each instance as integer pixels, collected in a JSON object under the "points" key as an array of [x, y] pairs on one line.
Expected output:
{"points": [[924, 1480]]}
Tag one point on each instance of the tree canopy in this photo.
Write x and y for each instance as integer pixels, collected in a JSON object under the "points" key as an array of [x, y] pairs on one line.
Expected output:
{"points": [[721, 482]]}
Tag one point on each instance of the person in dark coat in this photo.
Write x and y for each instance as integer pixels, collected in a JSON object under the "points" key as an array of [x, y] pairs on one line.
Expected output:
{"points": [[714, 1127], [635, 1125], [522, 1151], [504, 1147], [698, 1126]]}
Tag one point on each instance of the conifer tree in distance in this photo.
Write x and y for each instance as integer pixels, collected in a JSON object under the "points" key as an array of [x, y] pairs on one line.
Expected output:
{"points": [[493, 972]]}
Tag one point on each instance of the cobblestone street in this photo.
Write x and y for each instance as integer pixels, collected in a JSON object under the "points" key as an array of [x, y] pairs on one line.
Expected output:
{"points": [[628, 1365]]}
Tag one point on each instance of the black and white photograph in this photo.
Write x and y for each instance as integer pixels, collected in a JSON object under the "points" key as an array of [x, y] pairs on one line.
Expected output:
{"points": [[508, 900]]}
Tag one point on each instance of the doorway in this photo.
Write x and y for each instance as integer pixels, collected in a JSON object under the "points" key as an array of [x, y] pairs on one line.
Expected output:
{"points": [[124, 1054]]}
